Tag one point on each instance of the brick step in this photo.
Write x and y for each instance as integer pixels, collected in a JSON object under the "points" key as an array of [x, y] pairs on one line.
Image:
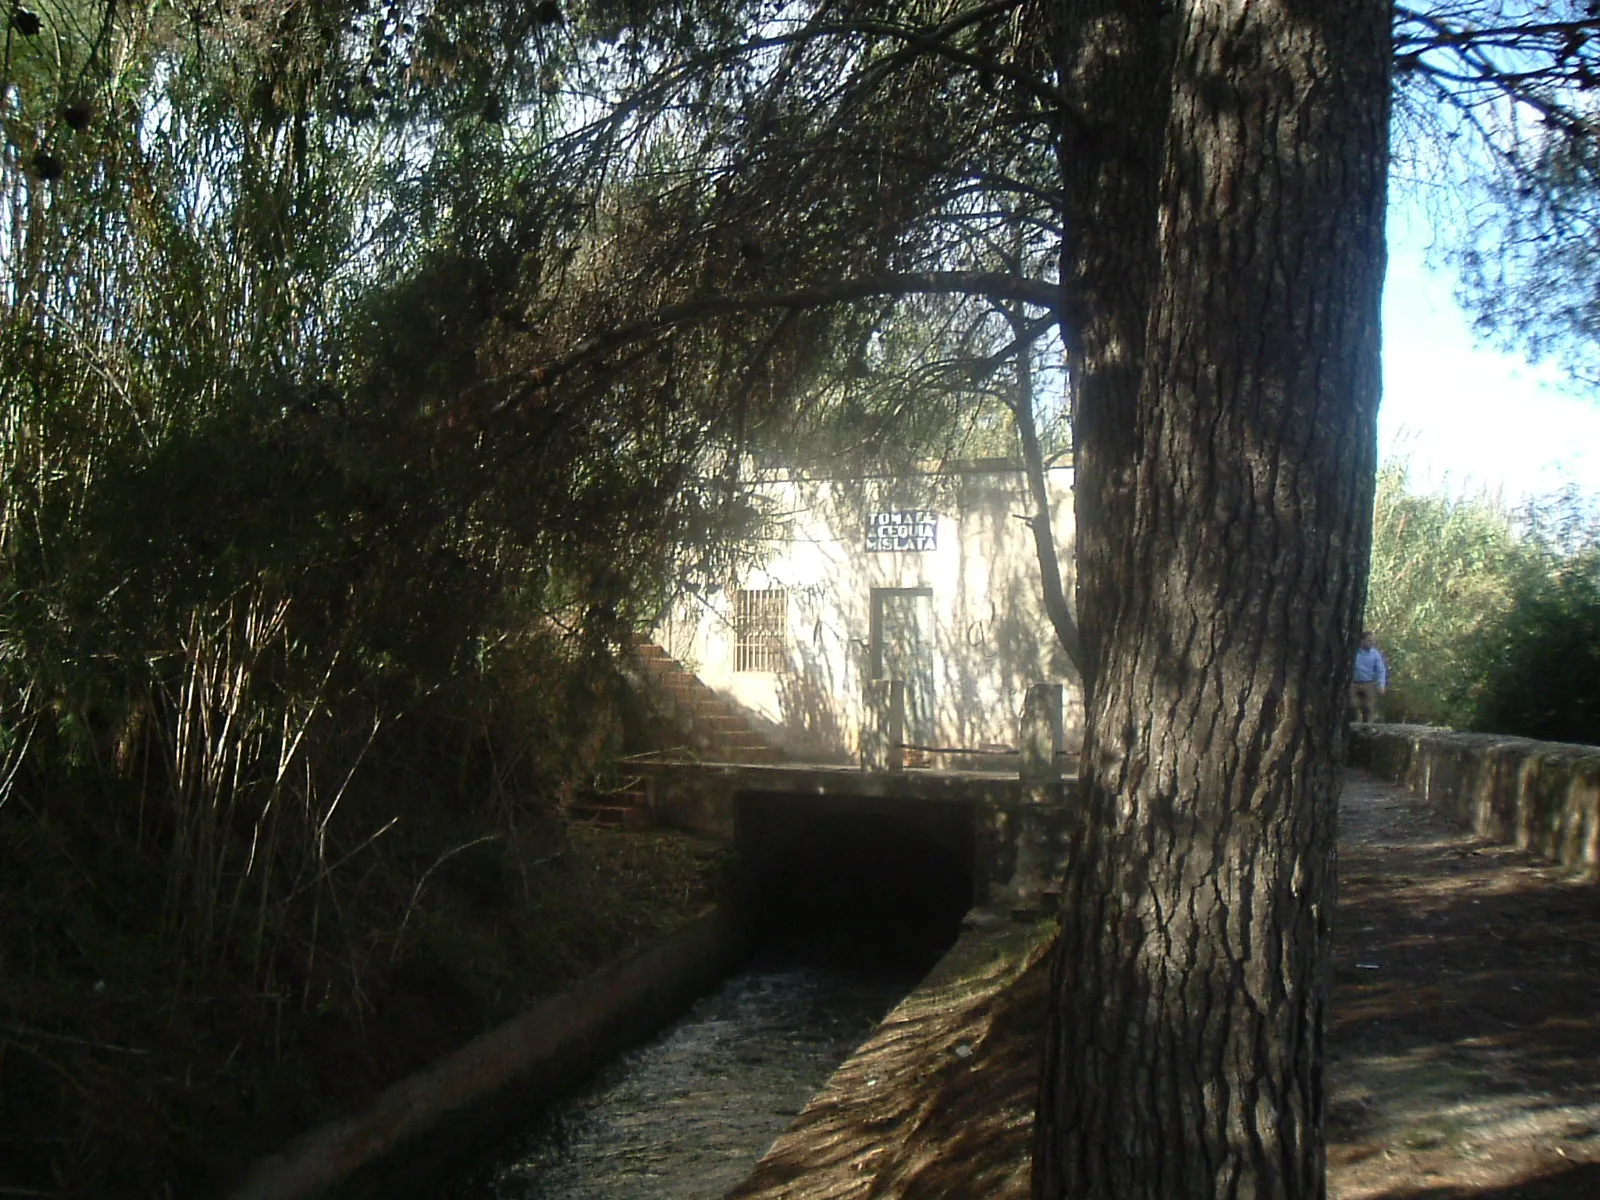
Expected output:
{"points": [[698, 711], [716, 729], [623, 816], [664, 754], [724, 722], [750, 750], [702, 700], [693, 702], [665, 669]]}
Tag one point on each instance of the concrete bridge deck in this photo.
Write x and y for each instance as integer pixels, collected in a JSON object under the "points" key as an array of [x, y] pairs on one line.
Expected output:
{"points": [[1007, 831], [841, 779]]}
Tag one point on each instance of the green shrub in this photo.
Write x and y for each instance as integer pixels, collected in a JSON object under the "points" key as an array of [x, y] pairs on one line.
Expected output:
{"points": [[1490, 619], [1443, 570], [1539, 664]]}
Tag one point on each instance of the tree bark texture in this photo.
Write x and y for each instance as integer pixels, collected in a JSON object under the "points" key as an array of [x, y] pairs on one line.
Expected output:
{"points": [[1115, 66], [1224, 277]]}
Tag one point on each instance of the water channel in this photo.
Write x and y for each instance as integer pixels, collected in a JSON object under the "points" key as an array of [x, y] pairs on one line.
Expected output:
{"points": [[852, 920], [687, 1116]]}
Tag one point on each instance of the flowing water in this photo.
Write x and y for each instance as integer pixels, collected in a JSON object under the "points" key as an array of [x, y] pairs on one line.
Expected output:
{"points": [[849, 917], [687, 1116]]}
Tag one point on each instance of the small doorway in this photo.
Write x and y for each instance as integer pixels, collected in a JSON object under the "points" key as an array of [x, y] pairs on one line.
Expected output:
{"points": [[903, 648]]}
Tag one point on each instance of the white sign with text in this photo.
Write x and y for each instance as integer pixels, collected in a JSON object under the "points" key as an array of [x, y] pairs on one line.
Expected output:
{"points": [[906, 530]]}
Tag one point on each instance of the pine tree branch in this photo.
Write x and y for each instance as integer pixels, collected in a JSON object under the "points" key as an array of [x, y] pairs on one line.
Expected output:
{"points": [[994, 286]]}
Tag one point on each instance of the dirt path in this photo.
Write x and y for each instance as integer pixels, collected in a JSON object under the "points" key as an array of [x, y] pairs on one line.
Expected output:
{"points": [[1464, 1059]]}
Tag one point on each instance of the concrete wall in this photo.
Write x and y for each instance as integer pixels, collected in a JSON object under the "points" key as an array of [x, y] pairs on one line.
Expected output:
{"points": [[1018, 828], [769, 826], [935, 1085], [1542, 796], [480, 1094], [992, 638]]}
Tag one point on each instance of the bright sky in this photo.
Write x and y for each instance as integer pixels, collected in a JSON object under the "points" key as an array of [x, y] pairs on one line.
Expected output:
{"points": [[1469, 416]]}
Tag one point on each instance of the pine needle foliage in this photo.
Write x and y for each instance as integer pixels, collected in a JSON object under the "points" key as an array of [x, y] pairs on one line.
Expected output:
{"points": [[342, 440], [274, 575]]}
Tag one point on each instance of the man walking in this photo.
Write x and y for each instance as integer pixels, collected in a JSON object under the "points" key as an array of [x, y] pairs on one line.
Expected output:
{"points": [[1371, 679]]}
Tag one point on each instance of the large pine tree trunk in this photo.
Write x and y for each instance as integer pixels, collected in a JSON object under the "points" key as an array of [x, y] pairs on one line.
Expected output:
{"points": [[1223, 281]]}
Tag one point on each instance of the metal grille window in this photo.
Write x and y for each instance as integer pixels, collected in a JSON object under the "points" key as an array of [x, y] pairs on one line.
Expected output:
{"points": [[760, 618]]}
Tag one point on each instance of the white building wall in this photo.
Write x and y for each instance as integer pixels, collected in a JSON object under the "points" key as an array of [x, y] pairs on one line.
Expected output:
{"points": [[990, 633]]}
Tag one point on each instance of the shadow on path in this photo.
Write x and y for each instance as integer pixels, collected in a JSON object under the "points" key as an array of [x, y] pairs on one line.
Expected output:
{"points": [[1581, 1181], [1464, 1057]]}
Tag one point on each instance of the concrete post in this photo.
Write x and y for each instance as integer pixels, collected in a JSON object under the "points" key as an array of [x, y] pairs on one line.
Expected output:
{"points": [[1041, 734], [883, 730]]}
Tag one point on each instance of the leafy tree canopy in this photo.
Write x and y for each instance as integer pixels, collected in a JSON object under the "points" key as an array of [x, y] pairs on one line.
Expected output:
{"points": [[348, 342], [1499, 126]]}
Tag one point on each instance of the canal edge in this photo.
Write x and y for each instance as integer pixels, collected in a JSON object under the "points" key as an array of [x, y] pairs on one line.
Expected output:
{"points": [[475, 1095], [931, 1052]]}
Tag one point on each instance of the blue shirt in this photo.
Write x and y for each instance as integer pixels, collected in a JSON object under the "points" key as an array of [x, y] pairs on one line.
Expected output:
{"points": [[1370, 667]]}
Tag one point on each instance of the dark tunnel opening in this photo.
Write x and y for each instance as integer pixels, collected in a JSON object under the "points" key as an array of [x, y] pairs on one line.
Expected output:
{"points": [[872, 891]]}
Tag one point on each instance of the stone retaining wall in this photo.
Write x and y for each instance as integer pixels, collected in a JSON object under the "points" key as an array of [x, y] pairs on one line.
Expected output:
{"points": [[939, 1100], [472, 1098], [1541, 796]]}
